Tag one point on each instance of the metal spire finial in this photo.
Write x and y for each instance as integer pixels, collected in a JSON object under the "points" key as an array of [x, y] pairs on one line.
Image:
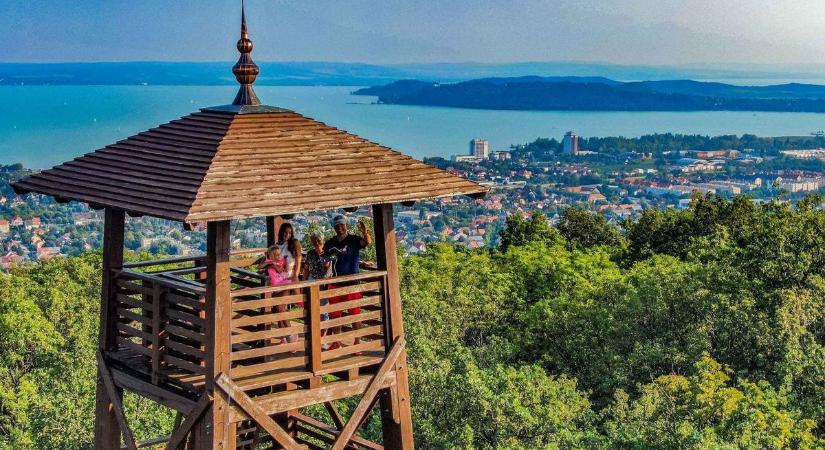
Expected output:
{"points": [[245, 70]]}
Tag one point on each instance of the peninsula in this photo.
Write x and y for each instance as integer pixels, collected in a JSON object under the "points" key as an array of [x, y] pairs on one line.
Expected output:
{"points": [[601, 94]]}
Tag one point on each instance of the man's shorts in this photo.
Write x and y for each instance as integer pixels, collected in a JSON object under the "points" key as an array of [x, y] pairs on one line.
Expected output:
{"points": [[341, 299]]}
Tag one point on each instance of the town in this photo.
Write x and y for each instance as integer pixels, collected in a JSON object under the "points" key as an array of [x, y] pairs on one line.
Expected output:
{"points": [[617, 180]]}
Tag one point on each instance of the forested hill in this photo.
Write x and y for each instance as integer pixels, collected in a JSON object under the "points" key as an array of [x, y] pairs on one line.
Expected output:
{"points": [[601, 94], [691, 329]]}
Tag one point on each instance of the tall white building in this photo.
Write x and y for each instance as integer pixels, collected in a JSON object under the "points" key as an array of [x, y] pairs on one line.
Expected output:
{"points": [[480, 148], [571, 143]]}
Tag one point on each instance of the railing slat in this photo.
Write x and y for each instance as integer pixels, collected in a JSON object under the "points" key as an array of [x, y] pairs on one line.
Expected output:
{"points": [[267, 334], [269, 350], [185, 332], [184, 364], [186, 317], [185, 349], [245, 320], [350, 349], [284, 363], [344, 290], [133, 302], [241, 305], [132, 331], [361, 332], [125, 313], [350, 304], [134, 346], [346, 320]]}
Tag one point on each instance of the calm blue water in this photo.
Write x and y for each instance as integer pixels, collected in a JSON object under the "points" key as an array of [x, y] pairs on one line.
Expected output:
{"points": [[43, 125]]}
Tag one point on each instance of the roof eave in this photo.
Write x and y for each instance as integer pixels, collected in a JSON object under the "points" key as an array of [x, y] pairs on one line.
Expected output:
{"points": [[193, 218]]}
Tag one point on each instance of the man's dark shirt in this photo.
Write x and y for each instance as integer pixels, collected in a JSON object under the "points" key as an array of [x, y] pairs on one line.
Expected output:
{"points": [[347, 252]]}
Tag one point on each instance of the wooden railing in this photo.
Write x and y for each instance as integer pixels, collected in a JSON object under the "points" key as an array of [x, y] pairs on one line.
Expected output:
{"points": [[161, 318], [278, 333], [308, 327]]}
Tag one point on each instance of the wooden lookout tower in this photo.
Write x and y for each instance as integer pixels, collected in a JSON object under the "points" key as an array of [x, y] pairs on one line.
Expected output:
{"points": [[204, 335]]}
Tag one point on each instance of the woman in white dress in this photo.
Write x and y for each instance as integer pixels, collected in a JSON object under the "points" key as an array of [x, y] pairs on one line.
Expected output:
{"points": [[291, 249]]}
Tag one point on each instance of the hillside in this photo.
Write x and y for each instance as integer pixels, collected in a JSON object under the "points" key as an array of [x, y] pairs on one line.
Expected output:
{"points": [[601, 94], [699, 328]]}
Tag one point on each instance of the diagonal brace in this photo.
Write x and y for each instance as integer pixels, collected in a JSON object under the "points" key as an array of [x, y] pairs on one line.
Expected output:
{"points": [[114, 398], [368, 400], [257, 413], [177, 438]]}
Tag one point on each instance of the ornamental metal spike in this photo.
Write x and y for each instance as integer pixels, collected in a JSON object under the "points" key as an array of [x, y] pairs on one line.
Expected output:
{"points": [[245, 70]]}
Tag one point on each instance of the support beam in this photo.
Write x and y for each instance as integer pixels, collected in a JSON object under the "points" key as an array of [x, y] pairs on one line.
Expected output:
{"points": [[396, 414], [182, 431], [107, 428], [359, 441], [273, 224], [212, 429], [289, 400], [368, 400], [257, 414], [336, 417], [117, 406]]}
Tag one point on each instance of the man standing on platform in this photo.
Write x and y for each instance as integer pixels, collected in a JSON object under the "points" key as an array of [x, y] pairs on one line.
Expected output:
{"points": [[347, 250]]}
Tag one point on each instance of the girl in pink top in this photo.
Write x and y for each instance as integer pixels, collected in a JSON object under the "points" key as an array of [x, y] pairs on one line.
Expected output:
{"points": [[276, 267], [275, 264]]}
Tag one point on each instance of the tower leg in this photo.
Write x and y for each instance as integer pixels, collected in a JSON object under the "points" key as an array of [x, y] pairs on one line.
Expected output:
{"points": [[396, 415], [212, 430], [107, 429]]}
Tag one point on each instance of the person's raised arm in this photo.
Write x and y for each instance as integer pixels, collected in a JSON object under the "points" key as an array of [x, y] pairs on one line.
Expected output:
{"points": [[366, 237]]}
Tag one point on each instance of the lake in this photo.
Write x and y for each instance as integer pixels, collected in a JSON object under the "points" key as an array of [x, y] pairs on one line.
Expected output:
{"points": [[44, 125]]}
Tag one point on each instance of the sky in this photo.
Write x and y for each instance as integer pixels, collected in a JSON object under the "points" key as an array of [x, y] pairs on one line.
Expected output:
{"points": [[652, 32]]}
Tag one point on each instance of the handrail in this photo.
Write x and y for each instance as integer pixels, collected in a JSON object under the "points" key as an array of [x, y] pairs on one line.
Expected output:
{"points": [[365, 275], [163, 281], [161, 262], [184, 259]]}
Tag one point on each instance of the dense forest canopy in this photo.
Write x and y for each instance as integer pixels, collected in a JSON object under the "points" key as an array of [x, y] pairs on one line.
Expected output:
{"points": [[701, 328]]}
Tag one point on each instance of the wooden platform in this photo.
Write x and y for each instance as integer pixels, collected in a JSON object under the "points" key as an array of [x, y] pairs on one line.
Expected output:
{"points": [[188, 385]]}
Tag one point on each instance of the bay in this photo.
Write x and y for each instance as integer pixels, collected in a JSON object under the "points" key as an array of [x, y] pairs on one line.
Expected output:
{"points": [[44, 125]]}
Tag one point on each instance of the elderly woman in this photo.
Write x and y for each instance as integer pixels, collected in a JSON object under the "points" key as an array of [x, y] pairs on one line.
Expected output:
{"points": [[318, 265]]}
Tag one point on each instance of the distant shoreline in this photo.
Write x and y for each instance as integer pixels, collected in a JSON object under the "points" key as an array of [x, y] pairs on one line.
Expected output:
{"points": [[531, 93]]}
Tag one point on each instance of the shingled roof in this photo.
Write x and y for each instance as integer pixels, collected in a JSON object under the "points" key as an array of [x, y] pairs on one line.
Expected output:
{"points": [[236, 162], [243, 160]]}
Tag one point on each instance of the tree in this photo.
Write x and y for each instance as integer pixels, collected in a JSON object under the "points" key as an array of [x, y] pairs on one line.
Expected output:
{"points": [[520, 231], [586, 229], [706, 411]]}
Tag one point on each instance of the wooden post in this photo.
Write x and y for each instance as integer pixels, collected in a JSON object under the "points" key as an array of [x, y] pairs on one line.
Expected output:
{"points": [[158, 322], [314, 321], [215, 427], [396, 415], [107, 429], [273, 224]]}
